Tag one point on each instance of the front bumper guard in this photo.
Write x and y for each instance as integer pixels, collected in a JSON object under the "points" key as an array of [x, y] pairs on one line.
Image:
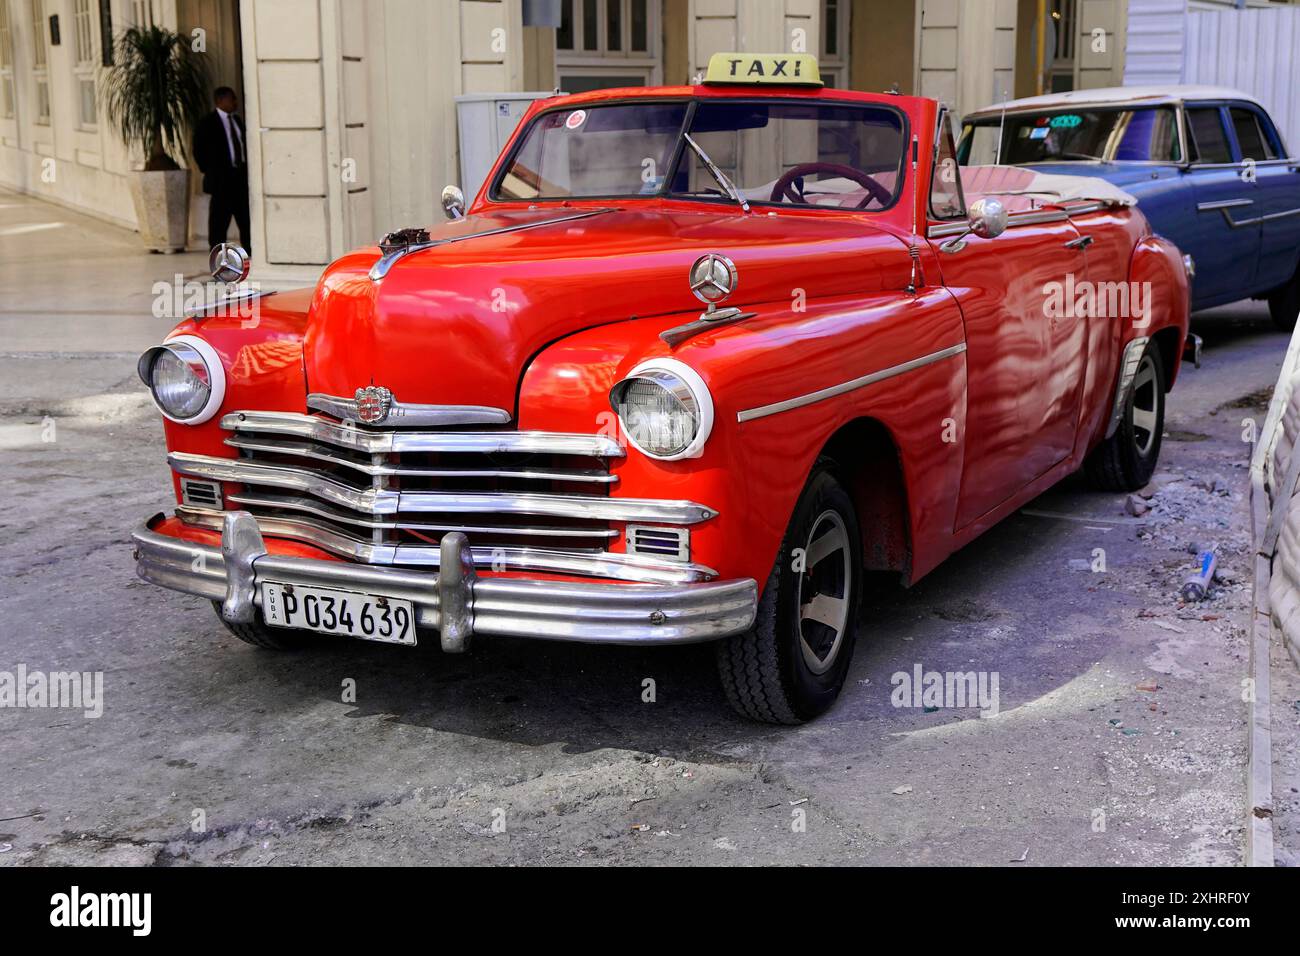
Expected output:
{"points": [[455, 601]]}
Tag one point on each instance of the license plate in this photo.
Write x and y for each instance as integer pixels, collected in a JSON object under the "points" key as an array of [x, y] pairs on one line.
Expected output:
{"points": [[349, 613]]}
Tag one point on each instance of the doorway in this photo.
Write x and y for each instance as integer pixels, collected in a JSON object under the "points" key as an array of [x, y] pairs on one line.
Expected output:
{"points": [[219, 21]]}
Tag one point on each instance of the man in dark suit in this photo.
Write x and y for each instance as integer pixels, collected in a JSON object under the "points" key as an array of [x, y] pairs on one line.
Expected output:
{"points": [[219, 150]]}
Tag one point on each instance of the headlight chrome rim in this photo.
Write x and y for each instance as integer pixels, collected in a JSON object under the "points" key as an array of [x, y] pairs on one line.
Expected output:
{"points": [[686, 386], [202, 361]]}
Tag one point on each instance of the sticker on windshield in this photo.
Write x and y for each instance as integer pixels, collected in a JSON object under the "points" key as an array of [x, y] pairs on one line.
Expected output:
{"points": [[1066, 121], [575, 119], [1039, 133]]}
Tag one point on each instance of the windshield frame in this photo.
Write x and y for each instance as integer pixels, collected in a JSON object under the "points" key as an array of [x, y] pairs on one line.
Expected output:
{"points": [[990, 119], [680, 149]]}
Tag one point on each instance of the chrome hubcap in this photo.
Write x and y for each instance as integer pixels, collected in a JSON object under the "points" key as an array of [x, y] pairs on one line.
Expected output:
{"points": [[1146, 398], [824, 588]]}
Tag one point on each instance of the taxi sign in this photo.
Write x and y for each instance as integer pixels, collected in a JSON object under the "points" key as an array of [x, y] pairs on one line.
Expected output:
{"points": [[786, 69]]}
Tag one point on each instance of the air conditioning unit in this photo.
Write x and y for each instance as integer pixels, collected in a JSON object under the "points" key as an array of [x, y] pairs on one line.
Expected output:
{"points": [[486, 121]]}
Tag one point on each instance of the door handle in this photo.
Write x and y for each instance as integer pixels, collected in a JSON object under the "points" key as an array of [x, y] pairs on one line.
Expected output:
{"points": [[1083, 242]]}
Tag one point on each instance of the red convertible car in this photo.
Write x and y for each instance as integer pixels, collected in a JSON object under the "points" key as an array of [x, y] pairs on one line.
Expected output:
{"points": [[693, 360]]}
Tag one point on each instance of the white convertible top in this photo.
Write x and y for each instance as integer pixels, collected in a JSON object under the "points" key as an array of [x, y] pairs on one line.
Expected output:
{"points": [[1116, 96], [1023, 189]]}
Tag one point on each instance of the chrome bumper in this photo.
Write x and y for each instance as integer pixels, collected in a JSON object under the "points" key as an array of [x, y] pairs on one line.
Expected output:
{"points": [[455, 601]]}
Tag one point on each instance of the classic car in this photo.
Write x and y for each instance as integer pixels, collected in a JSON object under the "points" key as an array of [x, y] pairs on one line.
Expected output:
{"points": [[692, 361], [1207, 165]]}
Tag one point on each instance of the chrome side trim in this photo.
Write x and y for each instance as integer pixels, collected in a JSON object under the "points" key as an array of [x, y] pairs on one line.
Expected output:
{"points": [[308, 450], [825, 393], [1027, 218], [601, 564], [1087, 208], [382, 501], [386, 442], [1128, 367], [386, 262], [943, 230], [405, 413], [1225, 206], [1036, 217], [591, 613]]}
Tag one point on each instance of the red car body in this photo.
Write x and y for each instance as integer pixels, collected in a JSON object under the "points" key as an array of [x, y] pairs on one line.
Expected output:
{"points": [[936, 382]]}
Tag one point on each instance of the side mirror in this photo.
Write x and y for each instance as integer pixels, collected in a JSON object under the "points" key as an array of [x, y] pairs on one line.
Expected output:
{"points": [[987, 218], [229, 263], [453, 202]]}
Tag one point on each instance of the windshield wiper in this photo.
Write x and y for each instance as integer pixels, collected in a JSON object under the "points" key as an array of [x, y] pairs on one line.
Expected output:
{"points": [[716, 173]]}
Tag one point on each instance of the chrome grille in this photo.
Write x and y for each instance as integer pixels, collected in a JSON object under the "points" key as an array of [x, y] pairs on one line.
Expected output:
{"points": [[525, 500]]}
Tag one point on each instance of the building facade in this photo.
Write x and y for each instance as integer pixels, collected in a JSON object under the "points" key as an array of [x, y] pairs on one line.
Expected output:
{"points": [[351, 105]]}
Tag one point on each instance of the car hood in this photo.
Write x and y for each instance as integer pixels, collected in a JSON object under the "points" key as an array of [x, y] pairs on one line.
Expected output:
{"points": [[457, 323]]}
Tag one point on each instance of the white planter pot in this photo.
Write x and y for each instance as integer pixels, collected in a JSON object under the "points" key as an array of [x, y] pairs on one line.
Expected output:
{"points": [[162, 208]]}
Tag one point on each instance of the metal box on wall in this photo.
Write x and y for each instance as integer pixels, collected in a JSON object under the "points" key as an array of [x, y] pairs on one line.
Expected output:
{"points": [[486, 122]]}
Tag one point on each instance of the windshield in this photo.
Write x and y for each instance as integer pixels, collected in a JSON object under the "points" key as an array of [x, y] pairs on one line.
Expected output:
{"points": [[785, 152], [1115, 135]]}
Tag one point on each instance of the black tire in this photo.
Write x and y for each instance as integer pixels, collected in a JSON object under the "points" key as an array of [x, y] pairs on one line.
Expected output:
{"points": [[1284, 304], [764, 671], [1127, 460], [260, 635]]}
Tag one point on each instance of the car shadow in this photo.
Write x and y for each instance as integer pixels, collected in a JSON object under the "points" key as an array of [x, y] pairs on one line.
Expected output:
{"points": [[1235, 322], [969, 614]]}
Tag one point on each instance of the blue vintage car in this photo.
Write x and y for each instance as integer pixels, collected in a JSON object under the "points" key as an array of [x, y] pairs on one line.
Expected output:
{"points": [[1207, 165]]}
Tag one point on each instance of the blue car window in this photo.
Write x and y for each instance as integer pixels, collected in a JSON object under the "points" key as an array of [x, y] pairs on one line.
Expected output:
{"points": [[1149, 135], [1254, 144], [1209, 138]]}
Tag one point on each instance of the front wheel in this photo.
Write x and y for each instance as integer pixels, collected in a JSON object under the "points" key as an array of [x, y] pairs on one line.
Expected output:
{"points": [[1127, 459], [790, 666], [258, 633]]}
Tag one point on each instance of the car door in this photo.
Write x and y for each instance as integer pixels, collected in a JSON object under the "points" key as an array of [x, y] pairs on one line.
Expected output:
{"points": [[1277, 190], [1224, 237], [1025, 359]]}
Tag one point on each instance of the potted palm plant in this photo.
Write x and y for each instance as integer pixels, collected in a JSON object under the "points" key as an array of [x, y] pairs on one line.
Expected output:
{"points": [[153, 94]]}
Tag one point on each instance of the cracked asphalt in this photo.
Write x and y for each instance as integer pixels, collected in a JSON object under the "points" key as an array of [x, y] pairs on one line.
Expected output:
{"points": [[1120, 738]]}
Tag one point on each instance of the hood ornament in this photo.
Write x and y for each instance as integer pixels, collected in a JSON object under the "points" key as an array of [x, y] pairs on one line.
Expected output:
{"points": [[402, 239], [713, 278], [228, 263], [373, 403]]}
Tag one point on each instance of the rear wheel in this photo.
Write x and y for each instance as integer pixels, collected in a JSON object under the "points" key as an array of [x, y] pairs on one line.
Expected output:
{"points": [[1284, 304], [1127, 460], [790, 666], [257, 633]]}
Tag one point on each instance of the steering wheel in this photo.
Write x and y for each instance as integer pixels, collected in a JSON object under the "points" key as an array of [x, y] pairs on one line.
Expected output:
{"points": [[784, 189]]}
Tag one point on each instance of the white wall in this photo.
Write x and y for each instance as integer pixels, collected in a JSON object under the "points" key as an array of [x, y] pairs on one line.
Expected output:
{"points": [[1156, 37], [1256, 51], [967, 56]]}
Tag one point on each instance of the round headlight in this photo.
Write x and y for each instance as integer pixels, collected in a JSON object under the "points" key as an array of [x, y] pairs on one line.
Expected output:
{"points": [[665, 409], [185, 379]]}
